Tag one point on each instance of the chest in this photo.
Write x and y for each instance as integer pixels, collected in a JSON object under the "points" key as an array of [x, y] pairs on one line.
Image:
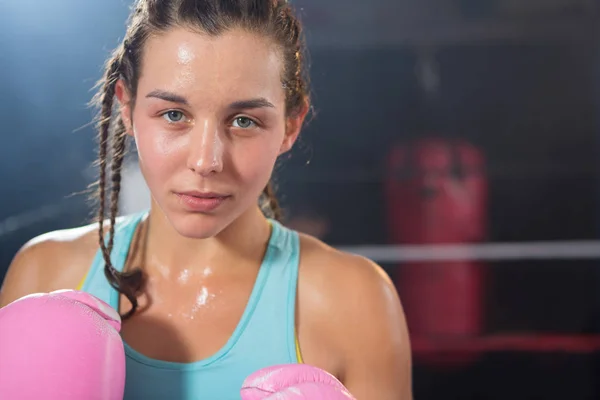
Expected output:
{"points": [[187, 322]]}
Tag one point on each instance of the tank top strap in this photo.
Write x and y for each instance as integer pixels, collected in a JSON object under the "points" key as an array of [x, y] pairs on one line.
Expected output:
{"points": [[95, 282], [272, 328]]}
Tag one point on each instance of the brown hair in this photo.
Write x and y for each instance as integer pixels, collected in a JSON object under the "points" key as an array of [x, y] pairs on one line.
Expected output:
{"points": [[271, 18]]}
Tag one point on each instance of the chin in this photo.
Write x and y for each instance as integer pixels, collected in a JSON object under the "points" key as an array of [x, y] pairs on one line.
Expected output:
{"points": [[197, 226]]}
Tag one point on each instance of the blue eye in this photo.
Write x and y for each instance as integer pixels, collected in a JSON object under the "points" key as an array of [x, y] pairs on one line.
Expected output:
{"points": [[243, 122], [174, 116]]}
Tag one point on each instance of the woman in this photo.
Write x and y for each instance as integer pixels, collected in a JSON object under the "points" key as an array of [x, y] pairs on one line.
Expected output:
{"points": [[210, 288]]}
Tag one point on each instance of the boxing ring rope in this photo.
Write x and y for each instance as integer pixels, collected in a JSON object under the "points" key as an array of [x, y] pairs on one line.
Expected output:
{"points": [[544, 250], [25, 220]]}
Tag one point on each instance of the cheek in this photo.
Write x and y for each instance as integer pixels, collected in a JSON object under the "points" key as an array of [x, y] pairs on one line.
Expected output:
{"points": [[158, 155], [254, 162]]}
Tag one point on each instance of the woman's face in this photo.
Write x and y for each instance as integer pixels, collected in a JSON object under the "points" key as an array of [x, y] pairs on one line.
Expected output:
{"points": [[209, 122]]}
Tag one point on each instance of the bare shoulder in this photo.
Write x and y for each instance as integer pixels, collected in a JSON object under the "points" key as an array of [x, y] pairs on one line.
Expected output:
{"points": [[351, 305], [52, 261], [342, 276]]}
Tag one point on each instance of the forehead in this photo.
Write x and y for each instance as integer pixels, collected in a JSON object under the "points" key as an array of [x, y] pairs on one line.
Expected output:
{"points": [[229, 66]]}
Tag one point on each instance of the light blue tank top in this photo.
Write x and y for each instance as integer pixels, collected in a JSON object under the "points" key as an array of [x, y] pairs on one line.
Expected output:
{"points": [[264, 336]]}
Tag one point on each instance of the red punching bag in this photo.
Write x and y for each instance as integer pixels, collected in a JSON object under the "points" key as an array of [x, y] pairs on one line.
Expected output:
{"points": [[436, 193]]}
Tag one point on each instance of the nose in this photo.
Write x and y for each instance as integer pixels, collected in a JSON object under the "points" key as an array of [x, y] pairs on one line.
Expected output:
{"points": [[206, 149]]}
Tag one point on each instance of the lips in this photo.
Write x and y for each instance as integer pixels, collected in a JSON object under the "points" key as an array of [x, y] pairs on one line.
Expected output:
{"points": [[202, 202], [202, 195]]}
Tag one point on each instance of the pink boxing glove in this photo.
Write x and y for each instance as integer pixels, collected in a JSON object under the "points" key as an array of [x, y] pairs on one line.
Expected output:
{"points": [[293, 382], [64, 345]]}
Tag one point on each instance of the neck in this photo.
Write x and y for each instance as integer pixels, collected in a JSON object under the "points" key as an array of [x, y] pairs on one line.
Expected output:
{"points": [[240, 243]]}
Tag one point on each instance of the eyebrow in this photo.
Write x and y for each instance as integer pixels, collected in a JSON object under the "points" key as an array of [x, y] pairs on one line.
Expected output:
{"points": [[252, 103], [168, 96], [260, 102]]}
